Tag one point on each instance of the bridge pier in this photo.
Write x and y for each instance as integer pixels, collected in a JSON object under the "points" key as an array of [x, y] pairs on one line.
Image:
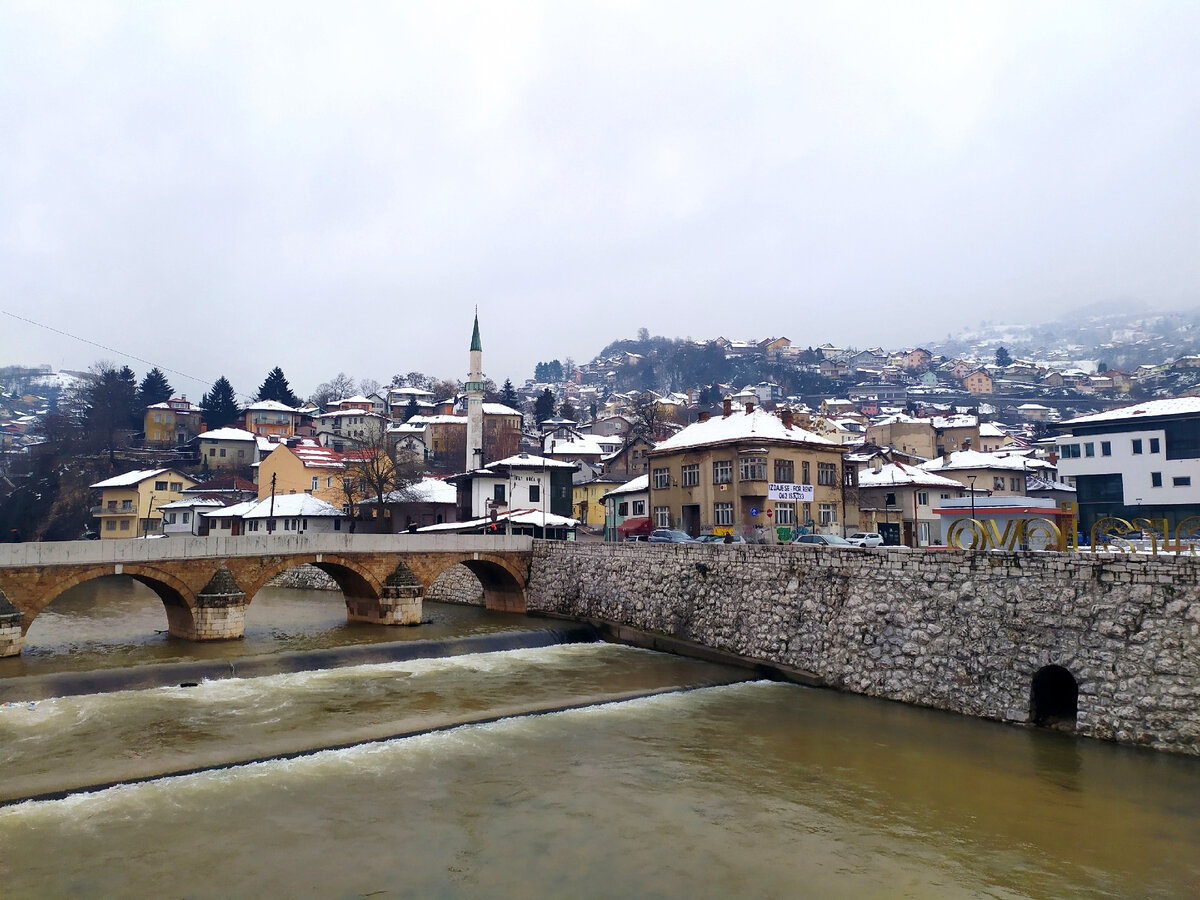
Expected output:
{"points": [[219, 613], [399, 603], [11, 637]]}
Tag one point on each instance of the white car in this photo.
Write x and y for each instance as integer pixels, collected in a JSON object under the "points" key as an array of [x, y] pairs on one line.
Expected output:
{"points": [[865, 539]]}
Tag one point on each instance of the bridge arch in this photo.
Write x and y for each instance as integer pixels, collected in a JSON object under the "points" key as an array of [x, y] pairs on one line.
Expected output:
{"points": [[503, 582], [354, 579], [175, 595]]}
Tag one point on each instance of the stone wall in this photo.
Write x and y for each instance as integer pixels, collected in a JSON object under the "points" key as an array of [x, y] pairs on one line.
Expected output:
{"points": [[456, 585], [955, 630]]}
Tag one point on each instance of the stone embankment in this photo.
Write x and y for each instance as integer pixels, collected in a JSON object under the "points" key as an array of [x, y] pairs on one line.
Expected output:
{"points": [[1107, 645], [455, 585]]}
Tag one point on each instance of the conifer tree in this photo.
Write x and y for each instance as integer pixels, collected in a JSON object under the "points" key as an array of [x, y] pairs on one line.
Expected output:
{"points": [[543, 407], [508, 395], [276, 388], [220, 405], [154, 389]]}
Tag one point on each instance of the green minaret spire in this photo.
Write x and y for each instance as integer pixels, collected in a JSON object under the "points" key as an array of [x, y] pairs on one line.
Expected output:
{"points": [[476, 344]]}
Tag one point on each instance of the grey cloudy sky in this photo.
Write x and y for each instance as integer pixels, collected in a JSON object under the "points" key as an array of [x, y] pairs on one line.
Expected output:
{"points": [[225, 187]]}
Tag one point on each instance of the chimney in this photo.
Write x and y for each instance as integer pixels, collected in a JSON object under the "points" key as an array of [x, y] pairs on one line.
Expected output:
{"points": [[749, 407], [727, 407], [703, 417], [785, 415]]}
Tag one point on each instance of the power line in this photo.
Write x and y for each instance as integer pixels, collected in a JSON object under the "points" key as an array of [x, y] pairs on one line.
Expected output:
{"points": [[107, 348]]}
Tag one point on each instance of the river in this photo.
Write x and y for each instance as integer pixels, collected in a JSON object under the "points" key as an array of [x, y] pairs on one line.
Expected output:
{"points": [[580, 770]]}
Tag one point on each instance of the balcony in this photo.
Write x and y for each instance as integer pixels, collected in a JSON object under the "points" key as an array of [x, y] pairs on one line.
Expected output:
{"points": [[748, 488]]}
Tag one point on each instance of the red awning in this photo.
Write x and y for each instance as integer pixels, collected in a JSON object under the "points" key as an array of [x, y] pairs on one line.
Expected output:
{"points": [[639, 525]]}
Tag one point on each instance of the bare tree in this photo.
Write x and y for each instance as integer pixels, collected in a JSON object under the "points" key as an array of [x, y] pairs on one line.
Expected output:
{"points": [[335, 389], [376, 469], [650, 415]]}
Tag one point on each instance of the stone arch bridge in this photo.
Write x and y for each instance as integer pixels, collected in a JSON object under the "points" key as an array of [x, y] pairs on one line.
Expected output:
{"points": [[206, 583]]}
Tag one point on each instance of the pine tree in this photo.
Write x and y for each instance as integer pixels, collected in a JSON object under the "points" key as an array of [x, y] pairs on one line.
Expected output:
{"points": [[508, 395], [412, 409], [276, 388], [220, 405], [543, 407], [110, 412], [1002, 356], [154, 389]]}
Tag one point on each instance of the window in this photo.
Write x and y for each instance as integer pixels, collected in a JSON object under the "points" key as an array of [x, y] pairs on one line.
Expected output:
{"points": [[997, 483], [785, 513], [1014, 484], [689, 475], [806, 512], [337, 524], [124, 524], [1089, 449], [639, 507], [169, 518], [160, 485], [1137, 446], [535, 493], [110, 525], [623, 509], [212, 451], [1182, 481], [177, 485], [752, 468], [1071, 451], [945, 496], [1156, 479], [804, 474], [252, 525], [722, 514], [827, 473], [1106, 448], [498, 493], [187, 517], [1154, 448], [329, 481], [241, 454], [662, 480], [828, 513], [722, 471], [126, 504], [922, 498], [785, 471], [316, 482], [222, 453], [662, 517]]}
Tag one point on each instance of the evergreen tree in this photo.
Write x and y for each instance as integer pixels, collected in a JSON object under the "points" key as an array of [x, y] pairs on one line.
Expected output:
{"points": [[567, 411], [276, 388], [543, 407], [508, 395], [1002, 356], [110, 409], [412, 409], [220, 405], [154, 389]]}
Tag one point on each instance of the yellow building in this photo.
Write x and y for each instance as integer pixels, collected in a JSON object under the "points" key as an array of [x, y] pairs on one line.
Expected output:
{"points": [[305, 468], [749, 473], [172, 423], [129, 503], [588, 499]]}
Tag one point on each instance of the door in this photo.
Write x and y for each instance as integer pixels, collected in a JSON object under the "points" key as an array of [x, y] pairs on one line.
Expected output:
{"points": [[691, 520], [890, 532]]}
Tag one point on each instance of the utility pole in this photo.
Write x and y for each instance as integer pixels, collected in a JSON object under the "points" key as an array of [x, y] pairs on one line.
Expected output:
{"points": [[271, 510]]}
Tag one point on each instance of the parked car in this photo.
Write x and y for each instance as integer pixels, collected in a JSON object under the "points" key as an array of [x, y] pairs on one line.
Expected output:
{"points": [[822, 540], [670, 536], [720, 539], [636, 538], [865, 539]]}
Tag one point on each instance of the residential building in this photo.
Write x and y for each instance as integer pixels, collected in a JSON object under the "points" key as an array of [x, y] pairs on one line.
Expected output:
{"points": [[746, 472], [270, 418], [227, 448], [898, 502], [430, 501], [587, 499], [978, 382], [1000, 474], [925, 437], [521, 482], [633, 458], [303, 467], [287, 514], [627, 509], [1136, 461], [130, 503], [172, 423]]}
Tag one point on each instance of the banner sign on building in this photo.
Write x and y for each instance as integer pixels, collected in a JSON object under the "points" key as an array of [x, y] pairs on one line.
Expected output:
{"points": [[802, 493]]}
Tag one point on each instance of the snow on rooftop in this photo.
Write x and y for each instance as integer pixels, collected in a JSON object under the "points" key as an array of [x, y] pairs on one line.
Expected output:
{"points": [[271, 406], [529, 461], [499, 409], [1177, 406], [129, 479], [756, 425], [227, 434], [900, 475], [641, 483], [977, 459]]}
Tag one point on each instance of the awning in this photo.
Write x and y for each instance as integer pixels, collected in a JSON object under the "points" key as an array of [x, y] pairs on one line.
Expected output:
{"points": [[638, 525]]}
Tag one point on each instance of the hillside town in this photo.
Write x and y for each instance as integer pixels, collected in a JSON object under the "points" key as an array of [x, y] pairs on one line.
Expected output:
{"points": [[894, 445]]}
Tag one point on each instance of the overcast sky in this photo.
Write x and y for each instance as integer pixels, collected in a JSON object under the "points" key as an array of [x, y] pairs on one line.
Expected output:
{"points": [[225, 187]]}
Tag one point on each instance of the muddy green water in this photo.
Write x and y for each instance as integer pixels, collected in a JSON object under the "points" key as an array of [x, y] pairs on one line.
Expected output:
{"points": [[747, 789]]}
